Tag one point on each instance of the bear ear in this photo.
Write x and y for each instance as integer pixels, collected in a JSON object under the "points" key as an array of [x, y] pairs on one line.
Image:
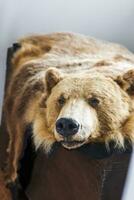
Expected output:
{"points": [[53, 76], [126, 82]]}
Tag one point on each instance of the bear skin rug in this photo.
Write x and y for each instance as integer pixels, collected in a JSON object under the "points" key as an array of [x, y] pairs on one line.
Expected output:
{"points": [[72, 89]]}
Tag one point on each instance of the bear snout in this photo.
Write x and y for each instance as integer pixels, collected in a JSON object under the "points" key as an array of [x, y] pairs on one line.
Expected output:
{"points": [[67, 127]]}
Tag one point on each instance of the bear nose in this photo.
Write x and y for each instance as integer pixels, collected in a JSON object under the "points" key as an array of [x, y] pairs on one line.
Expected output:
{"points": [[67, 126]]}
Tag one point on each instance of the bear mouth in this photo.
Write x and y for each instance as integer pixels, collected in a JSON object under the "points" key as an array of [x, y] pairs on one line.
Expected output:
{"points": [[72, 144]]}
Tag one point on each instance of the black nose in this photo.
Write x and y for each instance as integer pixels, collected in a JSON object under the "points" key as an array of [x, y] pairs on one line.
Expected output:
{"points": [[67, 126]]}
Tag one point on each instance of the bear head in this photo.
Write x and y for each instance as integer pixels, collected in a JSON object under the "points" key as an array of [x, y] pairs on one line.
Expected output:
{"points": [[80, 108]]}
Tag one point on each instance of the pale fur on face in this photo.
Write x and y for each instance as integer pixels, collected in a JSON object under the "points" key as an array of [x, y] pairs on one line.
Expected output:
{"points": [[80, 111]]}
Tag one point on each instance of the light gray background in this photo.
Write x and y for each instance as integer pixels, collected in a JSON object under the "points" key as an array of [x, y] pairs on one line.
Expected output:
{"points": [[107, 19]]}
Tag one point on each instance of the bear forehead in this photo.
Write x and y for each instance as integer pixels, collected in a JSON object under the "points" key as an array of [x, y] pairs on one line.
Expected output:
{"points": [[86, 84]]}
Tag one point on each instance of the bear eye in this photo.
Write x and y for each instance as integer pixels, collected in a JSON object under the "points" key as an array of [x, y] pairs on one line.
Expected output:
{"points": [[61, 101], [93, 101]]}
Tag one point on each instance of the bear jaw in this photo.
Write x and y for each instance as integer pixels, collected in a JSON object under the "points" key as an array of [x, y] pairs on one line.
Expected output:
{"points": [[73, 144]]}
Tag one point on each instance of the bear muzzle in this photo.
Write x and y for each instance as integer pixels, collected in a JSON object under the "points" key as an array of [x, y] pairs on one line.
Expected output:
{"points": [[67, 128]]}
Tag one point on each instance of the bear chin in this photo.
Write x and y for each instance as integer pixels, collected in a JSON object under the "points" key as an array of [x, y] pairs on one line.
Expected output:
{"points": [[72, 144]]}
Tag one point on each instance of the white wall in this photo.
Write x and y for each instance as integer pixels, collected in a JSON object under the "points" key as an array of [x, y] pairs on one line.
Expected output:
{"points": [[107, 19]]}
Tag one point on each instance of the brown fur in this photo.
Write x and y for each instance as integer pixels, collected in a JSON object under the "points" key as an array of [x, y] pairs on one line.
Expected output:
{"points": [[4, 191], [31, 96], [102, 63]]}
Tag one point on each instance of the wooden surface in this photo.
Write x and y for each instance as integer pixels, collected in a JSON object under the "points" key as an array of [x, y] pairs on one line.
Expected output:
{"points": [[74, 175]]}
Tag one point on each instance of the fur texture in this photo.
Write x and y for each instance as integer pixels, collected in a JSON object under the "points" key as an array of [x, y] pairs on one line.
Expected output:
{"points": [[75, 67], [4, 191]]}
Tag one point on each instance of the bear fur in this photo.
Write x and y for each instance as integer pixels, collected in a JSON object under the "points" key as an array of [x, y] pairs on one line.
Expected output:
{"points": [[4, 191], [54, 72]]}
